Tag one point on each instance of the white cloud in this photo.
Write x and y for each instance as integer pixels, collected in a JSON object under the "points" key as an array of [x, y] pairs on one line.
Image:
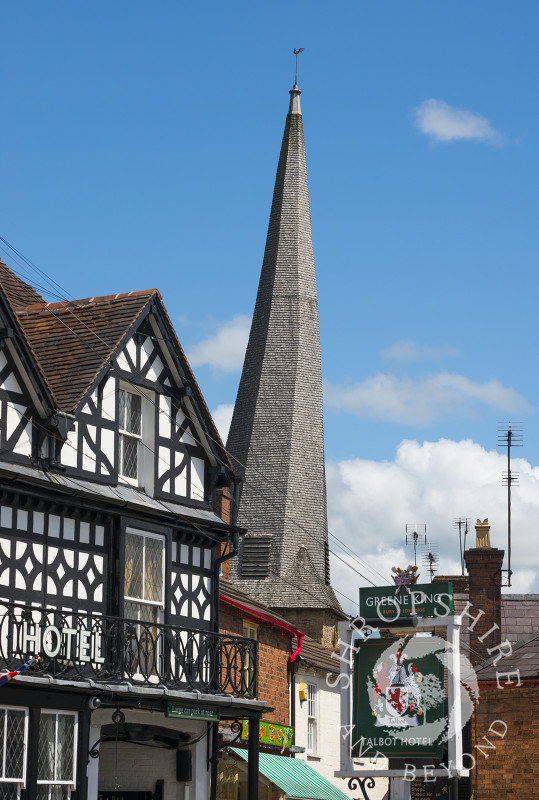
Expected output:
{"points": [[420, 402], [407, 350], [444, 123], [222, 416], [224, 350], [431, 483]]}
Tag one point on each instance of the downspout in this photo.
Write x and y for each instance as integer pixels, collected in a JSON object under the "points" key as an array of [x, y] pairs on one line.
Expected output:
{"points": [[233, 551], [293, 667]]}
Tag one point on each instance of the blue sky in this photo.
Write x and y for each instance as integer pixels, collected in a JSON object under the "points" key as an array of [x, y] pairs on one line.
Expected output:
{"points": [[138, 148]]}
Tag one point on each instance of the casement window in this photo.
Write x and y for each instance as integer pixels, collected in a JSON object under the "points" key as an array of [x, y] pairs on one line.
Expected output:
{"points": [[130, 429], [56, 760], [144, 590], [13, 750], [312, 718]]}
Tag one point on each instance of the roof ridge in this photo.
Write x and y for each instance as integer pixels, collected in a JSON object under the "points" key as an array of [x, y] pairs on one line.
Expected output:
{"points": [[67, 304]]}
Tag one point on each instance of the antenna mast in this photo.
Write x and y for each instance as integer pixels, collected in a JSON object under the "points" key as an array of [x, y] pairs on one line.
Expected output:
{"points": [[463, 525], [415, 535], [509, 435], [431, 559]]}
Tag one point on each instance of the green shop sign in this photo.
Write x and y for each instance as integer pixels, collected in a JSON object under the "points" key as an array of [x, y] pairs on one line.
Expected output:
{"points": [[278, 735], [192, 712], [399, 697], [423, 600]]}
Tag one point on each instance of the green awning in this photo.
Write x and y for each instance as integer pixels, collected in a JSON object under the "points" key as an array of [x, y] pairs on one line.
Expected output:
{"points": [[294, 777]]}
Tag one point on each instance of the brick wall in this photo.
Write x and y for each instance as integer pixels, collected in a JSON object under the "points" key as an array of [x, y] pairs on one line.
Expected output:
{"points": [[223, 508], [511, 771], [484, 569], [274, 648]]}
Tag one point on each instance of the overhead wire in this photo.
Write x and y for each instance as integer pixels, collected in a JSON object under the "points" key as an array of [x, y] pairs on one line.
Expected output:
{"points": [[71, 310]]}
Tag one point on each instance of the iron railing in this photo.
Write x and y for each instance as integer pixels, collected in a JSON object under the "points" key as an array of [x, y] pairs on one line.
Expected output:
{"points": [[75, 646]]}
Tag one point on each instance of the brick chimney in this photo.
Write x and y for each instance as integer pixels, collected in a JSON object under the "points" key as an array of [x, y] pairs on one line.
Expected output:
{"points": [[484, 564]]}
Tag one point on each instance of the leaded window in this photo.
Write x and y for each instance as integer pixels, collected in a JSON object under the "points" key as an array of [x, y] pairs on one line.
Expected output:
{"points": [[130, 417], [13, 747], [143, 598], [56, 755], [144, 585]]}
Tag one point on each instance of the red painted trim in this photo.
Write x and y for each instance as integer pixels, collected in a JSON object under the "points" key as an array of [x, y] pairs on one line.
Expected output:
{"points": [[264, 618], [297, 652]]}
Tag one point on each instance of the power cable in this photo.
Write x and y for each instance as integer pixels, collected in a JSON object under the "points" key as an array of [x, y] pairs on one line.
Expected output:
{"points": [[215, 441]]}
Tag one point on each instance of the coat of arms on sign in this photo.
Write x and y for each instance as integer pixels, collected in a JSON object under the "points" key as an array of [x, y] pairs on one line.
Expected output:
{"points": [[397, 700]]}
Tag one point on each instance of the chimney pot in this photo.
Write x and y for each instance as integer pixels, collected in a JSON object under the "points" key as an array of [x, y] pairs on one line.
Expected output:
{"points": [[482, 533]]}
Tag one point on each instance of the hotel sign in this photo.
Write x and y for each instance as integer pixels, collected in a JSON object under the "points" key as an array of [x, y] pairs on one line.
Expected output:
{"points": [[422, 600], [399, 697], [73, 644]]}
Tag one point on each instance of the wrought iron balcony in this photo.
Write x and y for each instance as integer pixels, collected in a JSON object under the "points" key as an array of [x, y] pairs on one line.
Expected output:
{"points": [[114, 650]]}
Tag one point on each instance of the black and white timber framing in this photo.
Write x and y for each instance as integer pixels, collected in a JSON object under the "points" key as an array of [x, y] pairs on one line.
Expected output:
{"points": [[109, 568]]}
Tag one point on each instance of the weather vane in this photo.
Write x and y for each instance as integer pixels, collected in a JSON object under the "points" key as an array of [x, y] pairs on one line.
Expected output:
{"points": [[296, 53]]}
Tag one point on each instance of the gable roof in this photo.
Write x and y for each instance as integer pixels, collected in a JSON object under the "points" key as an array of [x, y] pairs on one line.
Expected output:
{"points": [[72, 342]]}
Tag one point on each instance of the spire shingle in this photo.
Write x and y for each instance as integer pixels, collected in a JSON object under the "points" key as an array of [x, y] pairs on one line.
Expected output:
{"points": [[276, 435]]}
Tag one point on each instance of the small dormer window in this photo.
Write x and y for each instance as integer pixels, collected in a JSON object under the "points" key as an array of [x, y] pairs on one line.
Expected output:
{"points": [[130, 418]]}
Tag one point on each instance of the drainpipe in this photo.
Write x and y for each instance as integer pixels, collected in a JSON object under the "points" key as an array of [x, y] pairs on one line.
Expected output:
{"points": [[293, 667]]}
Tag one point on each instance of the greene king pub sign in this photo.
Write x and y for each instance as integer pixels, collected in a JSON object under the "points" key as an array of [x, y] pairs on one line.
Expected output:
{"points": [[421, 600], [399, 697]]}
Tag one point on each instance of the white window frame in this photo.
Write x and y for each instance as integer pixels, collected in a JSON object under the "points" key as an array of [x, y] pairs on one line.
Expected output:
{"points": [[250, 629], [313, 720], [145, 440], [70, 784], [21, 782]]}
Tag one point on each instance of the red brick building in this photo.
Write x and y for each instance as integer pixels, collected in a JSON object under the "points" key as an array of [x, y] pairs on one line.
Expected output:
{"points": [[500, 635]]}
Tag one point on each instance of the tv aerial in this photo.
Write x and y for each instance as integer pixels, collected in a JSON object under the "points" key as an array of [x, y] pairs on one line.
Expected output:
{"points": [[416, 535], [463, 525], [509, 435], [430, 559]]}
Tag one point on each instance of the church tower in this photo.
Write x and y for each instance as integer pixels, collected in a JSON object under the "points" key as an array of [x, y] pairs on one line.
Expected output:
{"points": [[276, 437]]}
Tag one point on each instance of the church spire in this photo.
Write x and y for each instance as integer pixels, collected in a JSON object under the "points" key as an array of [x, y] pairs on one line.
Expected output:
{"points": [[276, 435]]}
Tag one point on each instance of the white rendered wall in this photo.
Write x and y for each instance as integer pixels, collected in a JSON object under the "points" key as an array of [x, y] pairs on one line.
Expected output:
{"points": [[327, 760], [131, 767]]}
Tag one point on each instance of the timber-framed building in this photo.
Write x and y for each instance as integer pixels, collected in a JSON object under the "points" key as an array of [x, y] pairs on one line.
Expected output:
{"points": [[111, 474]]}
